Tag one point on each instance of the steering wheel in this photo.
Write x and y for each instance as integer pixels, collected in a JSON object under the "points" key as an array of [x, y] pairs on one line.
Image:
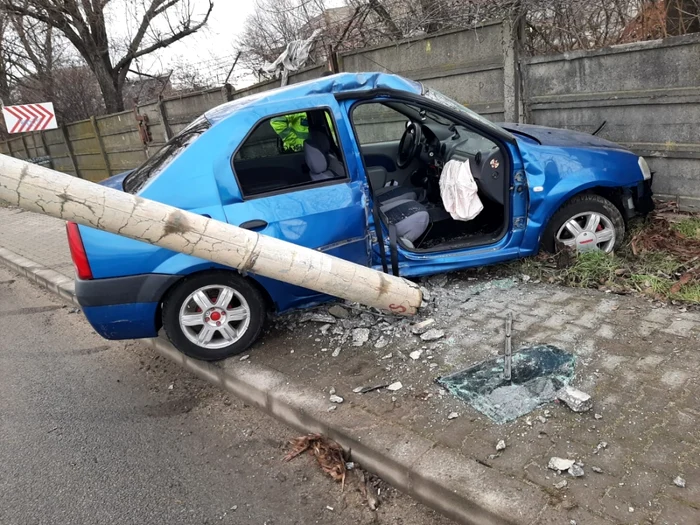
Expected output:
{"points": [[409, 145]]}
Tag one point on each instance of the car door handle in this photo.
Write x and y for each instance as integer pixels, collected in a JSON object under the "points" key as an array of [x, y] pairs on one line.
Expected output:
{"points": [[256, 224]]}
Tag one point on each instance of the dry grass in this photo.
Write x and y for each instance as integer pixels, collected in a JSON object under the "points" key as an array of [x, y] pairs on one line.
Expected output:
{"points": [[660, 259]]}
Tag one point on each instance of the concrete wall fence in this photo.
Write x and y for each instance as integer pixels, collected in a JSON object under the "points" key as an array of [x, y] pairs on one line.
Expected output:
{"points": [[648, 94]]}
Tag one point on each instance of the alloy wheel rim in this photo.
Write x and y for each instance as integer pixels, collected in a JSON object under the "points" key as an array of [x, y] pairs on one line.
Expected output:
{"points": [[214, 317], [588, 231]]}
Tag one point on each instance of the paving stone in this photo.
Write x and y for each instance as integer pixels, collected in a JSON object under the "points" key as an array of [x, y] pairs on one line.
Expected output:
{"points": [[682, 328], [646, 328], [559, 297], [611, 362], [606, 331], [659, 316], [674, 378]]}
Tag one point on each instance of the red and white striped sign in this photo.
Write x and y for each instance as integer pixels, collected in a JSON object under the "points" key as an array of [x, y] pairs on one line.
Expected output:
{"points": [[29, 117]]}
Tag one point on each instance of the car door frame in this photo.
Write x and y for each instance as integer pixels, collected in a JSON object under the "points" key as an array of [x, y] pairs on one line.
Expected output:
{"points": [[415, 263], [354, 179]]}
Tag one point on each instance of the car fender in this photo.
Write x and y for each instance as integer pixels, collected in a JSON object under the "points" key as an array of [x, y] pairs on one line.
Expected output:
{"points": [[555, 175]]}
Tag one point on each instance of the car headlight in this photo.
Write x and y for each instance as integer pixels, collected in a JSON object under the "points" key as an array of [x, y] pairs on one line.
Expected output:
{"points": [[646, 172]]}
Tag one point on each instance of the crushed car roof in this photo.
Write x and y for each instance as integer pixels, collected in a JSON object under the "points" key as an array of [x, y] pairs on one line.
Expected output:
{"points": [[340, 83]]}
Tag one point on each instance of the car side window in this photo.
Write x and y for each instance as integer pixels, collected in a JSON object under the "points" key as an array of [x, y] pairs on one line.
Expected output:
{"points": [[377, 123], [289, 151]]}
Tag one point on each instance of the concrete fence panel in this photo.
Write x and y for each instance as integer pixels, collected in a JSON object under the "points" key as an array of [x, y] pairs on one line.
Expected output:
{"points": [[467, 65], [648, 94], [121, 141]]}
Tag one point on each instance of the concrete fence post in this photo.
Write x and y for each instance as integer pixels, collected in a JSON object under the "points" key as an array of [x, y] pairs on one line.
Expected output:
{"points": [[100, 144], [24, 145], [163, 113], [46, 191], [46, 149], [69, 150], [511, 71]]}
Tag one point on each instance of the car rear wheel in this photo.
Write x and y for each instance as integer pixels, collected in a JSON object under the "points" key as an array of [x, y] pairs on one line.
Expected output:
{"points": [[213, 316], [586, 222]]}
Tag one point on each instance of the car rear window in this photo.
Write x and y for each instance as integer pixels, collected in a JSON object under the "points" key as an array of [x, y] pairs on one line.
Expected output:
{"points": [[138, 178]]}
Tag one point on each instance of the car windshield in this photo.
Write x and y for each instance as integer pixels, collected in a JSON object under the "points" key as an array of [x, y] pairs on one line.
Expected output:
{"points": [[438, 97], [162, 159]]}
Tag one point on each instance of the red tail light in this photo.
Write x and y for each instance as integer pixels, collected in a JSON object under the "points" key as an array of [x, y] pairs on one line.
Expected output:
{"points": [[77, 252]]}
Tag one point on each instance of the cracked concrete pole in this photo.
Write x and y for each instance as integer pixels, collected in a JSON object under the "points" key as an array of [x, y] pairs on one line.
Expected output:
{"points": [[42, 190]]}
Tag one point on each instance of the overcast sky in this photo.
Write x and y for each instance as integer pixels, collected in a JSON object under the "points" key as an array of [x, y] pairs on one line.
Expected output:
{"points": [[212, 49]]}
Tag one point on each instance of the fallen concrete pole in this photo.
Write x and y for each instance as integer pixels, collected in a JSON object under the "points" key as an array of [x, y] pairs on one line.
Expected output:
{"points": [[50, 192]]}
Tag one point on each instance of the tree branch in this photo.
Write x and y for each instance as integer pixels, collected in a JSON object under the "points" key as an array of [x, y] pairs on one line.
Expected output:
{"points": [[134, 53]]}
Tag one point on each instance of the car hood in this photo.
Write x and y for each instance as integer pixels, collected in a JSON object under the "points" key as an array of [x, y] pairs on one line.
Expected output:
{"points": [[561, 137], [115, 182]]}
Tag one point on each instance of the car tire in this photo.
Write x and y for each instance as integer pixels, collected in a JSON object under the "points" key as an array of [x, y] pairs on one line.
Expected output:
{"points": [[214, 315], [607, 234]]}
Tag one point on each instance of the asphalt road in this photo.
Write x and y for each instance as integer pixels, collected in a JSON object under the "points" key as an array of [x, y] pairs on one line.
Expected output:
{"points": [[96, 432]]}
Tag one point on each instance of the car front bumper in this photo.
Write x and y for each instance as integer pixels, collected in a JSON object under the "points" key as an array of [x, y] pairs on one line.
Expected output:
{"points": [[124, 307], [637, 200]]}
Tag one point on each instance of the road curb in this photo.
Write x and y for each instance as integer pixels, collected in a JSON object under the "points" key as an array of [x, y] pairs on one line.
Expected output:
{"points": [[454, 485]]}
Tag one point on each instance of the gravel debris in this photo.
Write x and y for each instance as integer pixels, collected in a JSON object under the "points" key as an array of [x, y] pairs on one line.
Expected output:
{"points": [[679, 482], [560, 464], [423, 326], [433, 335]]}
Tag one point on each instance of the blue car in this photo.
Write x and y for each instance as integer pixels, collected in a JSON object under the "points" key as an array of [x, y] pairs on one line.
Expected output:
{"points": [[351, 165]]}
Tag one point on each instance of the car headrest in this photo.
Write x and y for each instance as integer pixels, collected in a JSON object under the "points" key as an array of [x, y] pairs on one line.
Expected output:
{"points": [[315, 159], [319, 140]]}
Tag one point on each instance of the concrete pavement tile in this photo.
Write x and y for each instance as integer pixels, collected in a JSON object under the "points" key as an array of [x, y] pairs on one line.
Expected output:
{"points": [[677, 512], [606, 331], [675, 379], [641, 489], [683, 328], [621, 511]]}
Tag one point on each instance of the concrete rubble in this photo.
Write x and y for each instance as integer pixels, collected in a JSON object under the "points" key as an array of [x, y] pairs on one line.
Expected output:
{"points": [[576, 400], [416, 354], [679, 482], [423, 326], [576, 471], [433, 335], [602, 445], [360, 336], [560, 464]]}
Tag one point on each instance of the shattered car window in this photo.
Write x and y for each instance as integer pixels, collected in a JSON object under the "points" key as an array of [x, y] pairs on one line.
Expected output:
{"points": [[162, 159], [438, 97]]}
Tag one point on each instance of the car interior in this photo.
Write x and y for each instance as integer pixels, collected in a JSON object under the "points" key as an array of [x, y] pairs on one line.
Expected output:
{"points": [[289, 159], [405, 149]]}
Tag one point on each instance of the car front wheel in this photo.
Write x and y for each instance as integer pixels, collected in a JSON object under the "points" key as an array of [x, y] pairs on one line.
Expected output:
{"points": [[584, 223], [213, 316]]}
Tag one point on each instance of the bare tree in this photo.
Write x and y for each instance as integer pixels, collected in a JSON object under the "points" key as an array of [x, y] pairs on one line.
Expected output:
{"points": [[83, 23], [682, 16], [274, 24]]}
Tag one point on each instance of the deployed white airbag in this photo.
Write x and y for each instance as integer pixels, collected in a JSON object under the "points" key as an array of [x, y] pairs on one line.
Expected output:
{"points": [[459, 191]]}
